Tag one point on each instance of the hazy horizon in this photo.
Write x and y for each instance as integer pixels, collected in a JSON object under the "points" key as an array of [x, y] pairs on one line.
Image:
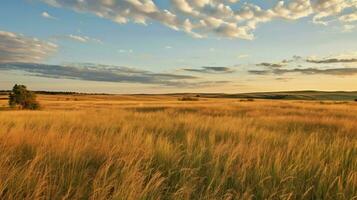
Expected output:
{"points": [[156, 46]]}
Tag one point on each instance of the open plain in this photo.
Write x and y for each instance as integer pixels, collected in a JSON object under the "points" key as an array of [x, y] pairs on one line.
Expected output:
{"points": [[157, 147]]}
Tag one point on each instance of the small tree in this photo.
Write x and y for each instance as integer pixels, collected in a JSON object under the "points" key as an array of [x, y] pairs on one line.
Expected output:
{"points": [[22, 97]]}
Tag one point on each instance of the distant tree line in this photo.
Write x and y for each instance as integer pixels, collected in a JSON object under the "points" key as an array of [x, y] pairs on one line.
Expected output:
{"points": [[6, 92]]}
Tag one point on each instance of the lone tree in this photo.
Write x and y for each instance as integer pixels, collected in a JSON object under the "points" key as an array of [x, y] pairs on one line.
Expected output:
{"points": [[20, 96]]}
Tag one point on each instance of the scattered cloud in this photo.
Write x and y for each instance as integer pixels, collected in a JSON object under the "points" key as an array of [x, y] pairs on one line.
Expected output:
{"points": [[345, 58], [273, 65], [211, 70], [349, 17], [125, 51], [243, 56], [77, 38], [222, 18], [348, 28], [168, 47], [259, 72], [19, 48], [332, 60], [350, 57], [47, 15], [106, 73], [83, 39], [293, 59], [339, 65], [308, 71]]}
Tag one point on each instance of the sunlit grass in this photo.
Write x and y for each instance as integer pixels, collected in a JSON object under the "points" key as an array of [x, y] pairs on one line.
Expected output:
{"points": [[166, 149]]}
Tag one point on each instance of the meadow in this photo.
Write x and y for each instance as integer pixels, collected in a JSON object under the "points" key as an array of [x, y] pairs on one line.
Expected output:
{"points": [[156, 147]]}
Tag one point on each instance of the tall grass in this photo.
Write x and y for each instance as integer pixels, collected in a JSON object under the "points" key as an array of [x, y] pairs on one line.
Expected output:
{"points": [[236, 150]]}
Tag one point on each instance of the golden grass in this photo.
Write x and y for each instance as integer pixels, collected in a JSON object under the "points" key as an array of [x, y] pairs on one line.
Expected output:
{"points": [[156, 147]]}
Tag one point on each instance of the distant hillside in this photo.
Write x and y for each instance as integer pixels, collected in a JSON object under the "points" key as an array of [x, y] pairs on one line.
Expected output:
{"points": [[292, 95], [4, 92], [287, 95]]}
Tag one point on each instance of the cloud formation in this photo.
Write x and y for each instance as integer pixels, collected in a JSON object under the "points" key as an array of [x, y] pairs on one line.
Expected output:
{"points": [[274, 65], [211, 70], [47, 15], [125, 51], [349, 17], [332, 60], [18, 48], [83, 39], [106, 73], [339, 65], [223, 18], [308, 71]]}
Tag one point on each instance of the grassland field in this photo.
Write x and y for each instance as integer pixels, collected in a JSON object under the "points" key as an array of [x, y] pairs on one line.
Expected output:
{"points": [[156, 147]]}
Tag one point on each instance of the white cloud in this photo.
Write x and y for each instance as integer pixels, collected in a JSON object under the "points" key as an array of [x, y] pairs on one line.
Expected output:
{"points": [[345, 55], [328, 8], [77, 38], [18, 48], [243, 56], [203, 18], [349, 17], [83, 39], [125, 51], [348, 28], [47, 15]]}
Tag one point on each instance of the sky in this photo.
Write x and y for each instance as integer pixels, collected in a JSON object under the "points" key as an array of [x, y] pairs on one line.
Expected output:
{"points": [[167, 46]]}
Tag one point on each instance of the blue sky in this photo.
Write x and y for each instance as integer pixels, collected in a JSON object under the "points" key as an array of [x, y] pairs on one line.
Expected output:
{"points": [[83, 34]]}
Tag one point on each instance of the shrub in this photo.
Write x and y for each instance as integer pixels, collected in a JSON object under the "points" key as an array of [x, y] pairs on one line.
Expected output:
{"points": [[356, 100], [188, 98], [20, 96]]}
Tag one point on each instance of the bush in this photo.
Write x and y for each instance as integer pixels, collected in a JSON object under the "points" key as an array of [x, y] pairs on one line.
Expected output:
{"points": [[188, 98], [20, 96]]}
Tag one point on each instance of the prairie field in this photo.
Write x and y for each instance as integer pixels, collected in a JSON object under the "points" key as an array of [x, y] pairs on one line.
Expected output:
{"points": [[157, 147]]}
